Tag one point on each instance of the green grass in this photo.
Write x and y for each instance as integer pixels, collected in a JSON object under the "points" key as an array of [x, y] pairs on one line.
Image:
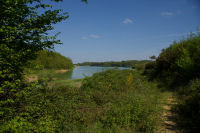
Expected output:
{"points": [[55, 79], [49, 74]]}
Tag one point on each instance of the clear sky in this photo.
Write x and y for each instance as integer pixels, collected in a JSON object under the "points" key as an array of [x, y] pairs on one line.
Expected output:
{"points": [[115, 30]]}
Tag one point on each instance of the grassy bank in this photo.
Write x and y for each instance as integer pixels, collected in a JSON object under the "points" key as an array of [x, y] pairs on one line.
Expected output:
{"points": [[50, 74], [55, 78]]}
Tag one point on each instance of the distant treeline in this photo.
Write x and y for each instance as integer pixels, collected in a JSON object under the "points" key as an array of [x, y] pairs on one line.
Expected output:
{"points": [[129, 63], [51, 60]]}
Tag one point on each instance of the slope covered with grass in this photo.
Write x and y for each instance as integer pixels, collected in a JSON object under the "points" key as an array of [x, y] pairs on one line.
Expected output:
{"points": [[51, 60]]}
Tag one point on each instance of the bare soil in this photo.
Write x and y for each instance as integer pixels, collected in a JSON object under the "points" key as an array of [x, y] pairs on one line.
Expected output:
{"points": [[32, 78], [169, 118], [61, 71]]}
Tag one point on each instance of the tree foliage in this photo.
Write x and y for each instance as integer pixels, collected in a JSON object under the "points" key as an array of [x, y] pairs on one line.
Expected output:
{"points": [[179, 63], [24, 30]]}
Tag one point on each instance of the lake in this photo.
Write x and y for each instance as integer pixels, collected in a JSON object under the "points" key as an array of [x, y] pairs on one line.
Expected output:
{"points": [[85, 71]]}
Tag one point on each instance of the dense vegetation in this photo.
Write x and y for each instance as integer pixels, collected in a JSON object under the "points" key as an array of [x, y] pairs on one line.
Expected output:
{"points": [[24, 30], [177, 68], [129, 63], [110, 101], [51, 60]]}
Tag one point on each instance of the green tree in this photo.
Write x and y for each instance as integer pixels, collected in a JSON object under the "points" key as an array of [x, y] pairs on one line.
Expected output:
{"points": [[24, 30]]}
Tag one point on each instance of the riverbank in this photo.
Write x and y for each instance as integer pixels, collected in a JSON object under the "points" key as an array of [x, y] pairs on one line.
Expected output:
{"points": [[49, 74], [78, 72], [55, 78]]}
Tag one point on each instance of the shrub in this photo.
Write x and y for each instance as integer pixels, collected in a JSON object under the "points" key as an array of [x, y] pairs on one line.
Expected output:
{"points": [[189, 106], [177, 64], [108, 80], [127, 101], [110, 101]]}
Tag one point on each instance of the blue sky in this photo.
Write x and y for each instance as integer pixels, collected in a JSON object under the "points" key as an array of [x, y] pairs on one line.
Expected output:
{"points": [[115, 30]]}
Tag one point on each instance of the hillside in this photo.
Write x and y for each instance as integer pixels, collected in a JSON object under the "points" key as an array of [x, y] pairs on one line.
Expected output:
{"points": [[51, 60]]}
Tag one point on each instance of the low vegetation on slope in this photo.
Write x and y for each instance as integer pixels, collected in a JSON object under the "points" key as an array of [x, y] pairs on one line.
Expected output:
{"points": [[51, 60], [110, 101], [177, 68]]}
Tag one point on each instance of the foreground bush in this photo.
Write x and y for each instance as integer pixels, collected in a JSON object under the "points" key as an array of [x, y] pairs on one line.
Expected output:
{"points": [[126, 101], [189, 106], [111, 101]]}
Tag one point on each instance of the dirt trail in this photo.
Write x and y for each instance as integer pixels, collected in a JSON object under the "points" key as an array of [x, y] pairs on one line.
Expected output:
{"points": [[169, 123], [31, 78], [61, 71]]}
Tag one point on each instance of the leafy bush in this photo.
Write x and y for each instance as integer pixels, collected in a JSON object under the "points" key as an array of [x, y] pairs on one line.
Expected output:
{"points": [[177, 64], [140, 66], [125, 101], [108, 80], [189, 106], [110, 101]]}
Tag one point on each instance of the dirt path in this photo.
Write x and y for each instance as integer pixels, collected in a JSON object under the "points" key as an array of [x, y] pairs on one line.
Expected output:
{"points": [[31, 78], [169, 123]]}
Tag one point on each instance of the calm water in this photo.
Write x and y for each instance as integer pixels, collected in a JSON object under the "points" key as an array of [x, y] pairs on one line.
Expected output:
{"points": [[85, 71]]}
